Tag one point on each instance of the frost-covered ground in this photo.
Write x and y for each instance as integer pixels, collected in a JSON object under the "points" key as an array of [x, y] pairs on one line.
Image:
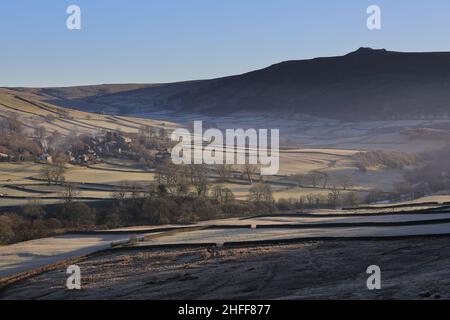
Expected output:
{"points": [[307, 131], [221, 236], [29, 255], [410, 269], [34, 254]]}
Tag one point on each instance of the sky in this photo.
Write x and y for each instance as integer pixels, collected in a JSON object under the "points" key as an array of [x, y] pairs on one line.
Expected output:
{"points": [[155, 41]]}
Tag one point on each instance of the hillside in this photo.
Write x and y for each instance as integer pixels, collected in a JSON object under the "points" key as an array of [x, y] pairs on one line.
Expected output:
{"points": [[34, 112], [365, 84]]}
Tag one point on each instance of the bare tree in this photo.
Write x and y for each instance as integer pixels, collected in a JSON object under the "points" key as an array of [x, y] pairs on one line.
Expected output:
{"points": [[13, 123], [261, 192], [228, 196], [199, 179], [334, 196], [217, 193], [224, 171], [310, 198], [352, 199], [222, 195], [120, 194], [53, 173], [70, 192], [314, 178], [345, 181], [167, 176], [135, 190], [324, 178], [250, 171]]}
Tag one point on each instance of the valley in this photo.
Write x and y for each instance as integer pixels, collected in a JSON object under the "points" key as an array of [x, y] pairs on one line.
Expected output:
{"points": [[86, 178]]}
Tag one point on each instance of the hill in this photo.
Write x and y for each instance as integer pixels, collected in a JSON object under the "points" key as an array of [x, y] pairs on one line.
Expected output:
{"points": [[365, 84], [30, 108]]}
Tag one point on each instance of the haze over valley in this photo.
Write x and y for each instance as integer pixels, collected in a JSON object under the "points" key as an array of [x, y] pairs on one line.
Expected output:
{"points": [[86, 177]]}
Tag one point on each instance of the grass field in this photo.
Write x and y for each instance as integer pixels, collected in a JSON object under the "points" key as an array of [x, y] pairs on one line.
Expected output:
{"points": [[34, 111], [336, 144], [27, 176], [22, 184]]}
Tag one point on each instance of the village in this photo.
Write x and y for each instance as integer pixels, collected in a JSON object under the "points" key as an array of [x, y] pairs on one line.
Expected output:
{"points": [[150, 146]]}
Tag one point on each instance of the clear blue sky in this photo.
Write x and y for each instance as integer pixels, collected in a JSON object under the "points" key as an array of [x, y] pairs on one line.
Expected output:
{"points": [[149, 41]]}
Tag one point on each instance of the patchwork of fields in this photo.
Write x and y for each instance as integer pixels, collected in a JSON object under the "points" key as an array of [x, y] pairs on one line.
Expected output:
{"points": [[21, 182], [327, 149], [47, 258]]}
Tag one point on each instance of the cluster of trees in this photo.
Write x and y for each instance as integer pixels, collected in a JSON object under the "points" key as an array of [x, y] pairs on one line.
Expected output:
{"points": [[249, 172], [16, 228], [165, 202], [425, 174], [14, 141], [157, 209], [142, 146], [186, 179], [387, 159], [432, 175], [54, 174], [320, 179], [171, 204], [23, 144], [182, 179], [184, 194], [132, 206], [332, 200], [34, 221], [146, 144]]}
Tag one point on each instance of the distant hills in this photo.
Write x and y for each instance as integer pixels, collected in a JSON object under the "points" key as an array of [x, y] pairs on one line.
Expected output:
{"points": [[365, 84]]}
